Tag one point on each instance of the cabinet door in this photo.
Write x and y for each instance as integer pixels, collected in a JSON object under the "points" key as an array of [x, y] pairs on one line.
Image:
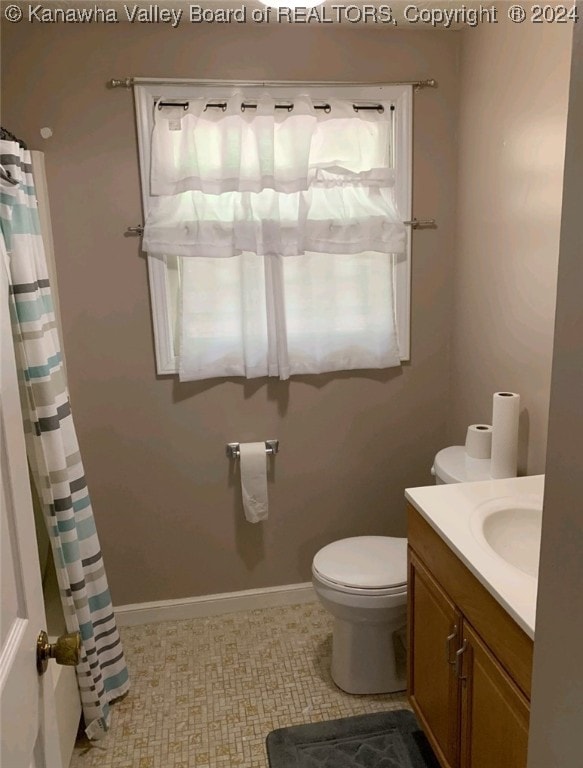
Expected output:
{"points": [[434, 636], [495, 714]]}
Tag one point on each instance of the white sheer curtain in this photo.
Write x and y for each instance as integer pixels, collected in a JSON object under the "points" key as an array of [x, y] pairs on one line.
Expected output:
{"points": [[223, 318], [255, 316], [288, 224], [335, 219], [231, 149], [339, 312], [241, 146]]}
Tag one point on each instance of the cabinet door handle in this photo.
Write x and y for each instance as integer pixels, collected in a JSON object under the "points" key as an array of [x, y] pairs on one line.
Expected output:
{"points": [[458, 660], [448, 645]]}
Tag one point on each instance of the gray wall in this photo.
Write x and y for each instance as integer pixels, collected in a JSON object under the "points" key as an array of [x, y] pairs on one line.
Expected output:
{"points": [[169, 516], [513, 111]]}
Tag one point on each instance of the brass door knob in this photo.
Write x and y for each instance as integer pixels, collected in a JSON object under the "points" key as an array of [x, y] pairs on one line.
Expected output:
{"points": [[66, 650]]}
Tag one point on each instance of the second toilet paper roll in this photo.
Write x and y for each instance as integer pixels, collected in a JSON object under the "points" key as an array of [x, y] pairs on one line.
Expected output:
{"points": [[253, 463], [479, 441], [505, 413]]}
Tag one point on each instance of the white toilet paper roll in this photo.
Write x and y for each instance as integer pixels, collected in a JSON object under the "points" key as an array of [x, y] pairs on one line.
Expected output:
{"points": [[479, 441], [253, 462], [505, 413]]}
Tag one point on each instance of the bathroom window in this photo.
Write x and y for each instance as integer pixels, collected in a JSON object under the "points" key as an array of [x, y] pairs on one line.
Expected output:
{"points": [[274, 227]]}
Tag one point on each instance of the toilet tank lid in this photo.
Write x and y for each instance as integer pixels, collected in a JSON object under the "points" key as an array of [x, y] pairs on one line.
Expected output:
{"points": [[453, 465], [364, 561]]}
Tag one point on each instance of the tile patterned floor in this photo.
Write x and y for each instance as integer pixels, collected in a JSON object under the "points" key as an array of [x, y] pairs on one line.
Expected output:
{"points": [[206, 692]]}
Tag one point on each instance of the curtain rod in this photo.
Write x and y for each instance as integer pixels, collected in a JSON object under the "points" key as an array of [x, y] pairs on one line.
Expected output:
{"points": [[129, 82], [287, 106]]}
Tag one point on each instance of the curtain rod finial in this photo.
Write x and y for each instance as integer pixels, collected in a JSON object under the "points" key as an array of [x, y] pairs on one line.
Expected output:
{"points": [[431, 83], [125, 82]]}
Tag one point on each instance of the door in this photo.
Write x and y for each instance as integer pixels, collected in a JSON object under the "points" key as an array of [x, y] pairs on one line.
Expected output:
{"points": [[29, 734], [434, 632], [495, 714]]}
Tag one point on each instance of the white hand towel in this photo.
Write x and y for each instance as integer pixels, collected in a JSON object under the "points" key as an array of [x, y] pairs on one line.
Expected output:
{"points": [[253, 461]]}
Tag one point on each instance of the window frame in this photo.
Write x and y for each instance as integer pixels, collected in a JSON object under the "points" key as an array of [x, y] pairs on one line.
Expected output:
{"points": [[163, 303]]}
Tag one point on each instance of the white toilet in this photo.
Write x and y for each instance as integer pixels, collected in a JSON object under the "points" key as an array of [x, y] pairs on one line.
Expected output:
{"points": [[362, 581]]}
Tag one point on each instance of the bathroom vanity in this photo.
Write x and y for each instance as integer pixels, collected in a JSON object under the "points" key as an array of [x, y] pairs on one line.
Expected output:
{"points": [[472, 559]]}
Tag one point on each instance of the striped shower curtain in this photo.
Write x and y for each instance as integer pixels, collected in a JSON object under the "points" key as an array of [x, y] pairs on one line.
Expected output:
{"points": [[52, 448]]}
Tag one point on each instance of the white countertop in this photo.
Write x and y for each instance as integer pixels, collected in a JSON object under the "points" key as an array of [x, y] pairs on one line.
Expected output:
{"points": [[448, 509]]}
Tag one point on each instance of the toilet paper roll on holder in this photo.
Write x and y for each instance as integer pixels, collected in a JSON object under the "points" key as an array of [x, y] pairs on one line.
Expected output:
{"points": [[271, 448]]}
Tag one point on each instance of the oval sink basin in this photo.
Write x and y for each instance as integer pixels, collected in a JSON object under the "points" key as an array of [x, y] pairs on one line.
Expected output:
{"points": [[511, 528]]}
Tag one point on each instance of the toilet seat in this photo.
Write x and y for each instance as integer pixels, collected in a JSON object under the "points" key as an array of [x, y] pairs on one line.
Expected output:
{"points": [[374, 565], [376, 592]]}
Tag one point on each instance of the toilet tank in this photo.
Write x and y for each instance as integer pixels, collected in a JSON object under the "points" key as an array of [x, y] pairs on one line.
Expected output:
{"points": [[453, 465]]}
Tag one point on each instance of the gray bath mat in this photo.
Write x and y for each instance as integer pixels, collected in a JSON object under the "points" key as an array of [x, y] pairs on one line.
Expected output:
{"points": [[379, 740]]}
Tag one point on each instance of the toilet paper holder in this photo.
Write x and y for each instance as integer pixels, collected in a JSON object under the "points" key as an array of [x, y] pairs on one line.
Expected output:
{"points": [[271, 448]]}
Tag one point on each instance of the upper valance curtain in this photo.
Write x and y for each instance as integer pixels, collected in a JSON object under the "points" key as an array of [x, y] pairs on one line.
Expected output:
{"points": [[262, 177], [240, 148], [339, 220]]}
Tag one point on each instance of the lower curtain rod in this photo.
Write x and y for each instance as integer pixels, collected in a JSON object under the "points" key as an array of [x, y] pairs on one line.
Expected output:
{"points": [[129, 82]]}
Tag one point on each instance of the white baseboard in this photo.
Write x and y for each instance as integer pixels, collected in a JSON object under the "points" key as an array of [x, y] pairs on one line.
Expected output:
{"points": [[213, 605]]}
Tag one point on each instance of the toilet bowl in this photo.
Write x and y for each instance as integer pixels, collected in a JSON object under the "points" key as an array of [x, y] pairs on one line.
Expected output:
{"points": [[362, 581]]}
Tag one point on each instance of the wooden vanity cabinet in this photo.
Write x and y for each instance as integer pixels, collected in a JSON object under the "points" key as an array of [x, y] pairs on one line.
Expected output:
{"points": [[494, 713], [434, 690], [469, 663]]}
